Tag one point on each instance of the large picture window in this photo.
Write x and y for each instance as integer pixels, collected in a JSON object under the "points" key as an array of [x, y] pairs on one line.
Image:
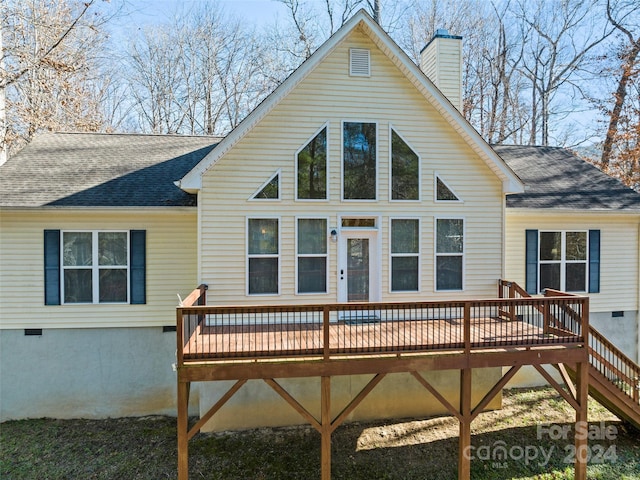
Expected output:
{"points": [[312, 255], [359, 175], [312, 168], [449, 253], [405, 165], [263, 256], [563, 261], [405, 255], [95, 267]]}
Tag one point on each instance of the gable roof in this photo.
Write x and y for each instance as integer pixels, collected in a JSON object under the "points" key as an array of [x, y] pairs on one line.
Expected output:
{"points": [[557, 179], [101, 170], [192, 181]]}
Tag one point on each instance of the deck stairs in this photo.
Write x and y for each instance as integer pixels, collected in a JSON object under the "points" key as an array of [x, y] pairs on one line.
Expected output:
{"points": [[614, 379]]}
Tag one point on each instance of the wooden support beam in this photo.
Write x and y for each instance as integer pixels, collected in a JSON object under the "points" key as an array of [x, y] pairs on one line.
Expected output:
{"points": [[183, 427], [214, 409], [464, 439], [456, 360], [497, 388], [294, 403], [566, 379], [581, 440], [325, 415], [453, 410], [571, 400], [356, 401]]}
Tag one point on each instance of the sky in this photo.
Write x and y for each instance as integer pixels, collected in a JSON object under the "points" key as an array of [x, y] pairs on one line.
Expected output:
{"points": [[156, 11]]}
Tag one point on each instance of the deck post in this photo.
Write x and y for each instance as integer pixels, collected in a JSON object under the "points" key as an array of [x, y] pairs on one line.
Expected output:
{"points": [[183, 429], [581, 437], [464, 438], [325, 418]]}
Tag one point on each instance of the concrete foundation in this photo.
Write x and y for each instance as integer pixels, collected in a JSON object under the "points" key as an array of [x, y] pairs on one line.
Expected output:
{"points": [[88, 373]]}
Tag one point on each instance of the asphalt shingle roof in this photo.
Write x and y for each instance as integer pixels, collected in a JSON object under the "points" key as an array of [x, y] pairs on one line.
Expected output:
{"points": [[555, 178], [102, 170]]}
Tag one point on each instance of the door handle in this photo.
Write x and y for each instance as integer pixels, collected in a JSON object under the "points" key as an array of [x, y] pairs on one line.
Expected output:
{"points": [[341, 274]]}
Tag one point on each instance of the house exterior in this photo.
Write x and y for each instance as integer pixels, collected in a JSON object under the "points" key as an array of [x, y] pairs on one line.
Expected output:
{"points": [[357, 179]]}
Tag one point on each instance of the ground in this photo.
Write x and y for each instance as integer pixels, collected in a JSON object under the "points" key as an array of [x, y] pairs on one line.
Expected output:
{"points": [[533, 433]]}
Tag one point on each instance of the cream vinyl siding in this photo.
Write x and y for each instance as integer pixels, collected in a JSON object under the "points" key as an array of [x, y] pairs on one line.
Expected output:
{"points": [[171, 261], [619, 256], [442, 63], [330, 96]]}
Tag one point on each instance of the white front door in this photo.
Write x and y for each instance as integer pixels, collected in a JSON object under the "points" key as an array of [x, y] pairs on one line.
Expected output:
{"points": [[358, 266]]}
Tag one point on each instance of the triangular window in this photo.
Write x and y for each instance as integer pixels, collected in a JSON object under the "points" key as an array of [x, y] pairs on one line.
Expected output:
{"points": [[312, 168], [270, 190], [405, 168], [444, 193]]}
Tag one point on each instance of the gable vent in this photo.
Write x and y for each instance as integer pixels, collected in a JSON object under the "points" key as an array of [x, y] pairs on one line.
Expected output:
{"points": [[359, 62]]}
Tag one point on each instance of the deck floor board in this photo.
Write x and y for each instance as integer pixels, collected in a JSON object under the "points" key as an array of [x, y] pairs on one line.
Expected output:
{"points": [[305, 339]]}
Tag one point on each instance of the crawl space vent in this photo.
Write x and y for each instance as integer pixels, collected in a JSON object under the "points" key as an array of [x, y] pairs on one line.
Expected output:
{"points": [[359, 62]]}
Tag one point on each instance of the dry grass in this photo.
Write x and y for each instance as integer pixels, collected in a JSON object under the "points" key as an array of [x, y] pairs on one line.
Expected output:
{"points": [[145, 448]]}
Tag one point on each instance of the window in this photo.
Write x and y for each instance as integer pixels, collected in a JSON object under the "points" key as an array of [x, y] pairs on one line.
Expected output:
{"points": [[359, 161], [563, 261], [270, 190], [405, 255], [449, 253], [312, 168], [444, 193], [312, 255], [405, 164], [560, 260], [263, 256], [94, 267]]}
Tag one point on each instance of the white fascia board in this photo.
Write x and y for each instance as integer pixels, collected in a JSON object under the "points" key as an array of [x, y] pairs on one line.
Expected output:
{"points": [[192, 181], [573, 212]]}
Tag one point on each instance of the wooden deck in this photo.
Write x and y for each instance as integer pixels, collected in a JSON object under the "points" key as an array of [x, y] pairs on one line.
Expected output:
{"points": [[373, 337], [267, 342]]}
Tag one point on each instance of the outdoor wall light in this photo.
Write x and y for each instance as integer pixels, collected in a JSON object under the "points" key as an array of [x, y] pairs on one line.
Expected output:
{"points": [[334, 236]]}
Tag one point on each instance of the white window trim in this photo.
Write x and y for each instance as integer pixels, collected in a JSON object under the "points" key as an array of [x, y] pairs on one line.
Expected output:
{"points": [[313, 255], [436, 254], [392, 255], [95, 268], [247, 256], [327, 176], [563, 261], [254, 198], [392, 128], [437, 176], [351, 200]]}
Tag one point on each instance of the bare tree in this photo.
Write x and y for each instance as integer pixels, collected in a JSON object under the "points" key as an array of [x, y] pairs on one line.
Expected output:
{"points": [[560, 36], [624, 18], [202, 73], [49, 77]]}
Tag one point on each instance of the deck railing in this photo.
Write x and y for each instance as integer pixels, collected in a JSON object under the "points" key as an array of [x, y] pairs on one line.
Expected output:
{"points": [[329, 330], [604, 356], [614, 365]]}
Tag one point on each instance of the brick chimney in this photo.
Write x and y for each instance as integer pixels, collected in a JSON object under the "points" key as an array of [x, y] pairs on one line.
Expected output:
{"points": [[441, 61]]}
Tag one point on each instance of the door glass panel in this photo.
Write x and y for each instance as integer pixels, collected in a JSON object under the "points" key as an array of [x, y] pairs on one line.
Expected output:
{"points": [[357, 269]]}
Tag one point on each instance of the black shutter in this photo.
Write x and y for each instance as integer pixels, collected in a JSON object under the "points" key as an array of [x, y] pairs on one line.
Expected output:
{"points": [[594, 261], [52, 267], [137, 266], [531, 265]]}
